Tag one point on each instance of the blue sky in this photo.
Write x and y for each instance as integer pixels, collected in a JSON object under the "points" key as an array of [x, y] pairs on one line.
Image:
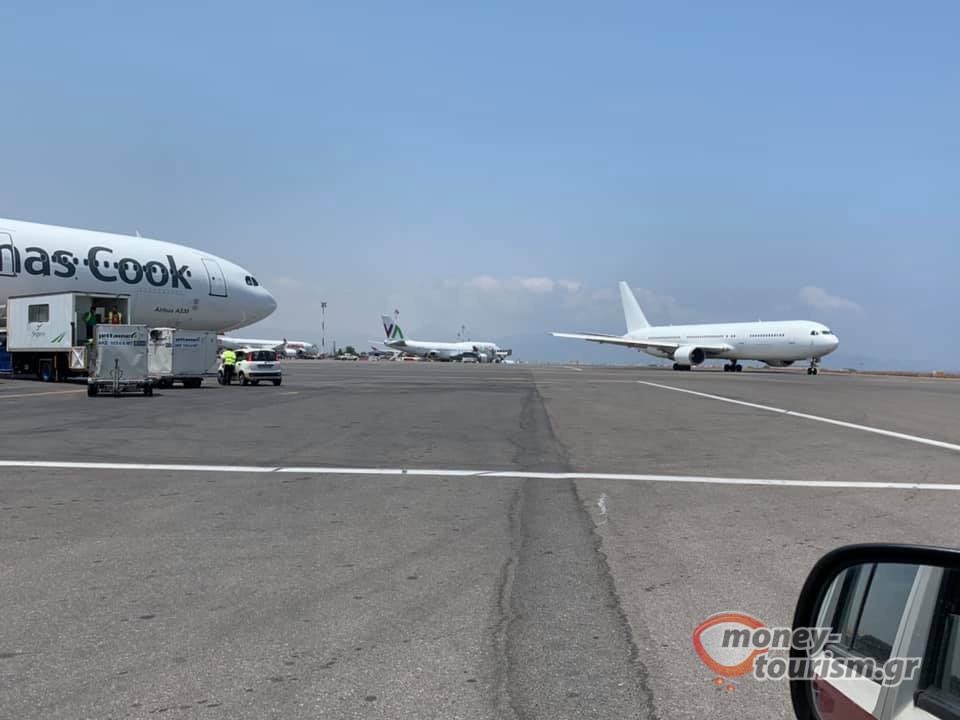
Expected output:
{"points": [[502, 166]]}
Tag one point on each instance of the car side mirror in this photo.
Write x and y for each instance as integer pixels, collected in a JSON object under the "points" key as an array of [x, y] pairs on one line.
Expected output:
{"points": [[877, 635]]}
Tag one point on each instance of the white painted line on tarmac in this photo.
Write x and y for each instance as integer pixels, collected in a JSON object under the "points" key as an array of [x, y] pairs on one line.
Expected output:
{"points": [[498, 474], [57, 464], [572, 367], [807, 416], [7, 396]]}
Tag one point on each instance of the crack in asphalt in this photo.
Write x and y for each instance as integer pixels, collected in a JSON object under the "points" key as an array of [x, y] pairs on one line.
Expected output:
{"points": [[562, 644], [505, 614]]}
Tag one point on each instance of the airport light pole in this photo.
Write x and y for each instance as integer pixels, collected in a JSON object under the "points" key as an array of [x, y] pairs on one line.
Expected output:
{"points": [[323, 327]]}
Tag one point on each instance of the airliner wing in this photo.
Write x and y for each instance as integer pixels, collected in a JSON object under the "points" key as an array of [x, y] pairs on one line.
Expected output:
{"points": [[619, 340], [640, 344], [232, 343]]}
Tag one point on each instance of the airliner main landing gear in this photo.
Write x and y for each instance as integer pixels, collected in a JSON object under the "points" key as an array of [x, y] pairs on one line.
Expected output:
{"points": [[733, 367], [678, 366], [814, 368]]}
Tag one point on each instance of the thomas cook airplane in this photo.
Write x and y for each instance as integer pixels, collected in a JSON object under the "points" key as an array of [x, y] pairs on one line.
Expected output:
{"points": [[167, 285], [777, 343]]}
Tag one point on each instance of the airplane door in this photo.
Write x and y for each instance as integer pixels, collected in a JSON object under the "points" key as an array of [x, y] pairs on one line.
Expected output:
{"points": [[218, 284], [8, 256]]}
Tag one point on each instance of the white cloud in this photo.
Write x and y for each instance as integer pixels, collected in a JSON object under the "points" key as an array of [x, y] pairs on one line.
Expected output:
{"points": [[820, 299], [483, 282], [536, 284]]}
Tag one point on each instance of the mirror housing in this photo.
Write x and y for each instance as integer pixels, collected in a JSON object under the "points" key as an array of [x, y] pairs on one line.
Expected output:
{"points": [[821, 578]]}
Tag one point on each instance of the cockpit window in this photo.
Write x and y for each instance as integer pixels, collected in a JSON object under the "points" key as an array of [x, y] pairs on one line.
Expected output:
{"points": [[814, 332]]}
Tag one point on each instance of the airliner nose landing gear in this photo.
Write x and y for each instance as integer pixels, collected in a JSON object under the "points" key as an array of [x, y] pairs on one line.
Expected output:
{"points": [[814, 368], [733, 367]]}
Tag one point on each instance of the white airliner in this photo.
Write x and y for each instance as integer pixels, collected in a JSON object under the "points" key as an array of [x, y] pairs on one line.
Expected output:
{"points": [[300, 349], [168, 285], [289, 348], [776, 343], [480, 351]]}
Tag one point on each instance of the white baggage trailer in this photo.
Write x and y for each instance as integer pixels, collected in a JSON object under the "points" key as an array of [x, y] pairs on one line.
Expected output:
{"points": [[120, 361], [185, 356]]}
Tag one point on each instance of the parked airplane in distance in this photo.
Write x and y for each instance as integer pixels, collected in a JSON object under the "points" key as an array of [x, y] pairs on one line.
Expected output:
{"points": [[301, 349], [379, 353], [444, 351], [168, 285], [776, 343], [287, 348]]}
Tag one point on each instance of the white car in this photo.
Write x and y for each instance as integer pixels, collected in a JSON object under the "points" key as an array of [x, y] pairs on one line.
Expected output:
{"points": [[254, 365]]}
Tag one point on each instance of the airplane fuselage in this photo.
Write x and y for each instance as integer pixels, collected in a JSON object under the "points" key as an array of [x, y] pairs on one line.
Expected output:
{"points": [[445, 350], [768, 341], [168, 285]]}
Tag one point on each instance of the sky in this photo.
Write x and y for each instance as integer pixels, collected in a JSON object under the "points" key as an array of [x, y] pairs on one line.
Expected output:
{"points": [[500, 166]]}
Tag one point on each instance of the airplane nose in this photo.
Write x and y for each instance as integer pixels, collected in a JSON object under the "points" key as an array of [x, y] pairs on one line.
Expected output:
{"points": [[263, 305]]}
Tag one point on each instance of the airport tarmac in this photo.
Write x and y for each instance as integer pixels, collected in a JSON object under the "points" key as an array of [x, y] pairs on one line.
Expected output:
{"points": [[386, 540]]}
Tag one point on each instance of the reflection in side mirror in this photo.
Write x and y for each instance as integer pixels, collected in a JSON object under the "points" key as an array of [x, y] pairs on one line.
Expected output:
{"points": [[884, 629]]}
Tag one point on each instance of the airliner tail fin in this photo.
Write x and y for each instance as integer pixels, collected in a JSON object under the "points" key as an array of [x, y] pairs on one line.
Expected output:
{"points": [[391, 330], [632, 313]]}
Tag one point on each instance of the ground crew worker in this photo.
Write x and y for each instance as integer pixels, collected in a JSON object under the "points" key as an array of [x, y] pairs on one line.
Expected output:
{"points": [[229, 358], [90, 320], [115, 317]]}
